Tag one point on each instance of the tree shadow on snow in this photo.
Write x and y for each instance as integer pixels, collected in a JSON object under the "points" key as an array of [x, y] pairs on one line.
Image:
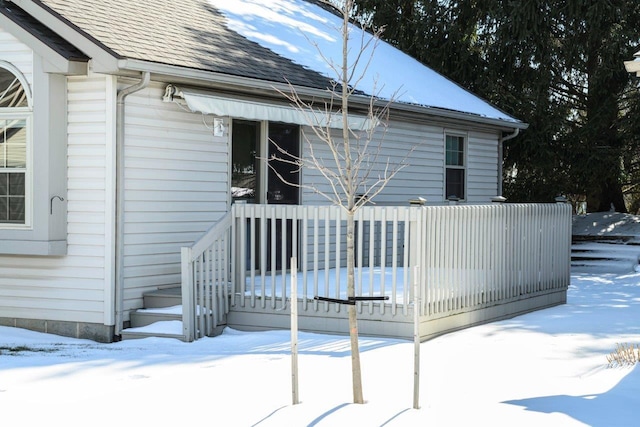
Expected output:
{"points": [[615, 407], [169, 351]]}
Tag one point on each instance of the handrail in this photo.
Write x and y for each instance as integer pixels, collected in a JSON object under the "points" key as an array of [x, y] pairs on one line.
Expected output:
{"points": [[213, 233], [206, 273]]}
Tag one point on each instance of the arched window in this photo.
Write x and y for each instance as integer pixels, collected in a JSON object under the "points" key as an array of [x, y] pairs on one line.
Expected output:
{"points": [[15, 120]]}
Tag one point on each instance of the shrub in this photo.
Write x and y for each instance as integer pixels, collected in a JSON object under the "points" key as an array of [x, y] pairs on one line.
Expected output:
{"points": [[624, 355]]}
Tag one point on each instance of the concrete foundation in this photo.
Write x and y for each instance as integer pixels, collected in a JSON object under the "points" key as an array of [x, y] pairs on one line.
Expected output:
{"points": [[90, 331]]}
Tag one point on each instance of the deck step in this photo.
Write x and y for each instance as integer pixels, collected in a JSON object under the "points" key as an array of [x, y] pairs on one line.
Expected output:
{"points": [[148, 316], [614, 256], [160, 317], [160, 329], [164, 297]]}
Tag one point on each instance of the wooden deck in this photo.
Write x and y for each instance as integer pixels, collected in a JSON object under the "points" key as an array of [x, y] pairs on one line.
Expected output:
{"points": [[475, 264]]}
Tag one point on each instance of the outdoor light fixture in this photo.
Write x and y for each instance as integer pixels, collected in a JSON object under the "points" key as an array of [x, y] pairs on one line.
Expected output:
{"points": [[218, 127]]}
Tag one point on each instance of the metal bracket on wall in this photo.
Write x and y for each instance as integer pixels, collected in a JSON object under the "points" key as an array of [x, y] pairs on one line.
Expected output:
{"points": [[51, 203]]}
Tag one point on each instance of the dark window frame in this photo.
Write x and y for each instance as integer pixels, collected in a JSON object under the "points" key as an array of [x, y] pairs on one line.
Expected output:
{"points": [[455, 148]]}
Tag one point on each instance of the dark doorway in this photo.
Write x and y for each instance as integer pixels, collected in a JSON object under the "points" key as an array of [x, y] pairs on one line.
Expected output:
{"points": [[248, 181], [284, 142], [283, 137], [245, 163]]}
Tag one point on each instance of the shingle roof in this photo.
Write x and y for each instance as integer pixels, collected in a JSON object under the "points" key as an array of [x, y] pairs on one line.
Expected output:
{"points": [[276, 41], [184, 33], [42, 33]]}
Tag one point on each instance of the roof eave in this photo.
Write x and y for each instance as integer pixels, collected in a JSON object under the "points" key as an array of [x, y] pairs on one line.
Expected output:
{"points": [[176, 74], [54, 61], [460, 116], [103, 60]]}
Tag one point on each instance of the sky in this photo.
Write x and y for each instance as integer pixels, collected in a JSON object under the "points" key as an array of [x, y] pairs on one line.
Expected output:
{"points": [[547, 368], [311, 36]]}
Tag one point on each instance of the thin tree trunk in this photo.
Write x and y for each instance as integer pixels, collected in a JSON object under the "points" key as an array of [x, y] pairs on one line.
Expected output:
{"points": [[352, 162], [356, 371], [611, 194]]}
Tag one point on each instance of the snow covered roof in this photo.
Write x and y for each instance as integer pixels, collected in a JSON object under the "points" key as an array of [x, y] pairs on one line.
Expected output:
{"points": [[191, 35], [310, 35], [267, 40]]}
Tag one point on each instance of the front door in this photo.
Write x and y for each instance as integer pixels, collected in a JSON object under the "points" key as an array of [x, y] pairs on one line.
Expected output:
{"points": [[253, 181]]}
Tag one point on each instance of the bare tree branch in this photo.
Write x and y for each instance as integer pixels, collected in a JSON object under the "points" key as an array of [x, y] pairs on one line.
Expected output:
{"points": [[347, 162]]}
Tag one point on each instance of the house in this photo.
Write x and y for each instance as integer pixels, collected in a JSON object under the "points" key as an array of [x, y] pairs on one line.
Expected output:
{"points": [[132, 127], [633, 66]]}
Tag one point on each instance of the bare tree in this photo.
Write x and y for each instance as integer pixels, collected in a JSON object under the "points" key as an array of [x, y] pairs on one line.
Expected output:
{"points": [[353, 167]]}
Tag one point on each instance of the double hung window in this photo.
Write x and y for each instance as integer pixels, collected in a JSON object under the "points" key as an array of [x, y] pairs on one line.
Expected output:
{"points": [[455, 166], [15, 117]]}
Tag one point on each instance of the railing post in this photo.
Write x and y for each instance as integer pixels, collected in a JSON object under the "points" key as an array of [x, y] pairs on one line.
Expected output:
{"points": [[416, 338], [413, 223], [294, 329], [241, 252], [188, 309]]}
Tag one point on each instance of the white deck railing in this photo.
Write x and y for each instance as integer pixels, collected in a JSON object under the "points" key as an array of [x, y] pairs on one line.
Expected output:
{"points": [[316, 236], [478, 256], [470, 256]]}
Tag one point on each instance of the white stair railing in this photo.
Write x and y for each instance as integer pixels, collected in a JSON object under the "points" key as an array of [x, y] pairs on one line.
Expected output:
{"points": [[207, 268]]}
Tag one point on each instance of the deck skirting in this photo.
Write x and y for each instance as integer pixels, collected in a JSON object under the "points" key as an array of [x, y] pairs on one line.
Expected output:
{"points": [[387, 324]]}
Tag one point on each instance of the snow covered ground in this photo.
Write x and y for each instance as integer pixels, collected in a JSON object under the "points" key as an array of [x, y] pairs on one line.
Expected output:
{"points": [[546, 368]]}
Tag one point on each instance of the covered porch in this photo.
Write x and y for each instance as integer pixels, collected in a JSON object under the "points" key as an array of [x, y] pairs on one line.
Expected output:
{"points": [[472, 264]]}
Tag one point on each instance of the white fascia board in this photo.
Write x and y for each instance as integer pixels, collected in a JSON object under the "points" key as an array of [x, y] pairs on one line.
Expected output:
{"points": [[102, 61], [425, 112], [212, 79], [202, 78], [54, 62]]}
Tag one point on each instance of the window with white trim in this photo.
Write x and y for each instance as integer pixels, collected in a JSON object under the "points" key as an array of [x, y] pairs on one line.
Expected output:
{"points": [[15, 116], [455, 166]]}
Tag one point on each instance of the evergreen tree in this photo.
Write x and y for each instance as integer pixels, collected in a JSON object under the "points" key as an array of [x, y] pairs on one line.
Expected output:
{"points": [[555, 64]]}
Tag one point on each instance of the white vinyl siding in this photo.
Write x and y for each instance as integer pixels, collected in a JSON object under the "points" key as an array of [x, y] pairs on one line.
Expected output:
{"points": [[425, 171], [70, 288], [482, 167], [420, 147], [17, 53], [176, 180], [423, 175]]}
